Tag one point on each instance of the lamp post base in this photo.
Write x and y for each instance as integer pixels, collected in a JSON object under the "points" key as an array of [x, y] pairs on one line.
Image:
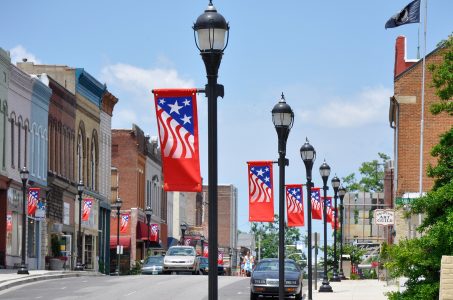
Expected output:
{"points": [[325, 287], [335, 278], [78, 267], [23, 270]]}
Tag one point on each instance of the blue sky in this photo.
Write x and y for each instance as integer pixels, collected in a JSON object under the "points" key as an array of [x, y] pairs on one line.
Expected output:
{"points": [[332, 59]]}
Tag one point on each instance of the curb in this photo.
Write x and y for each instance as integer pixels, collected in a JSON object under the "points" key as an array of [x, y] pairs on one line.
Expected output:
{"points": [[18, 282]]}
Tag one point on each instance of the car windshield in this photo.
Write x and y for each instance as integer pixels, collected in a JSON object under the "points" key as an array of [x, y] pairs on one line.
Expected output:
{"points": [[154, 260], [180, 251], [273, 266]]}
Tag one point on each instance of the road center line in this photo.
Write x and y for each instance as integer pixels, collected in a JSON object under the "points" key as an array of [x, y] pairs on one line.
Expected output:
{"points": [[133, 292]]}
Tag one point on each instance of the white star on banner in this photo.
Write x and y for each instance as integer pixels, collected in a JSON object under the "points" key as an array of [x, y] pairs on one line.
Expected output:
{"points": [[186, 102], [260, 172], [175, 107], [186, 119]]}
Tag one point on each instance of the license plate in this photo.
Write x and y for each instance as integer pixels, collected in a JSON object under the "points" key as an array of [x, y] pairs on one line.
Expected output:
{"points": [[272, 281], [154, 272]]}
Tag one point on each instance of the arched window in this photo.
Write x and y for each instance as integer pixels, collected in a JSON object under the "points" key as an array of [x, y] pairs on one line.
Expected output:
{"points": [[155, 198], [19, 141], [80, 152], [94, 161], [12, 121], [26, 129], [5, 117]]}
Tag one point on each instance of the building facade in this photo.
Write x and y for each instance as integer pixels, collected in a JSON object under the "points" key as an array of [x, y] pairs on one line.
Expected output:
{"points": [[405, 119], [5, 66]]}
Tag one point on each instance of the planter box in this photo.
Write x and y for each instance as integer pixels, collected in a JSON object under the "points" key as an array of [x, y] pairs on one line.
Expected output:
{"points": [[56, 264]]}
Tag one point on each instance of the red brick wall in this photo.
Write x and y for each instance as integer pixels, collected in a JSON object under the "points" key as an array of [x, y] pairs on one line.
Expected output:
{"points": [[409, 84], [125, 159]]}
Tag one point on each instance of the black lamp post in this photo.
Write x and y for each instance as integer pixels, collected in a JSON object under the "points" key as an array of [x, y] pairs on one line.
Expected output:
{"points": [[183, 227], [212, 31], [308, 154], [148, 213], [79, 266], [117, 205], [283, 118], [335, 184], [341, 193], [24, 177], [324, 170]]}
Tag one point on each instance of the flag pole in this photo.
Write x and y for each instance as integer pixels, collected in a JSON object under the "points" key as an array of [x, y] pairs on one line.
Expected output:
{"points": [[422, 121]]}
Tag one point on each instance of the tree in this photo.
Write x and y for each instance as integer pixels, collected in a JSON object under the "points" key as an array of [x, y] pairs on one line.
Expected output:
{"points": [[371, 173], [419, 259], [269, 238]]}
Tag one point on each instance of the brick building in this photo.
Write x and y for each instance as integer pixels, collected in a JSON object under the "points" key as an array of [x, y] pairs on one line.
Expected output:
{"points": [[405, 116]]}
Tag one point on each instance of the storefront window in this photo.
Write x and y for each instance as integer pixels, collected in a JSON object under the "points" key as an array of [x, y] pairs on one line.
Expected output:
{"points": [[89, 251], [14, 236]]}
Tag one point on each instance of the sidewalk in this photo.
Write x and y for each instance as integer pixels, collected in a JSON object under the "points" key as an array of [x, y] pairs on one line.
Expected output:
{"points": [[356, 289], [9, 277]]}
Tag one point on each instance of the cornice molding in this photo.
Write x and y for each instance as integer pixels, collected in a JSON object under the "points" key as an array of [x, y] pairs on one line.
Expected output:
{"points": [[89, 87]]}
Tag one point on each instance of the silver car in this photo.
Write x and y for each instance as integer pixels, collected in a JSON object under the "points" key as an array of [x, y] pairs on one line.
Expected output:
{"points": [[181, 259]]}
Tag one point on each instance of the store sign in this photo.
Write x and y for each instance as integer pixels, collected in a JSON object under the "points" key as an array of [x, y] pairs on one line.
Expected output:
{"points": [[384, 217]]}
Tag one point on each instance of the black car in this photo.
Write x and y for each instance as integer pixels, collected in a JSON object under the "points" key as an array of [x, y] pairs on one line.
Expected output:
{"points": [[153, 265], [264, 280], [204, 267]]}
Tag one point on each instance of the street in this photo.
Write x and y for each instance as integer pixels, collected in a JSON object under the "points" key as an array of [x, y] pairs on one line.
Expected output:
{"points": [[187, 287]]}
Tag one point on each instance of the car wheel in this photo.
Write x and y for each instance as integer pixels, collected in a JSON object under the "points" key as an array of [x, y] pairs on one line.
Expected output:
{"points": [[299, 296], [253, 296]]}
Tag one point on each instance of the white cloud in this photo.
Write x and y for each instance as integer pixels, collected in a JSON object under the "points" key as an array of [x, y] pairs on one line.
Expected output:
{"points": [[133, 85], [368, 106], [139, 81], [19, 52]]}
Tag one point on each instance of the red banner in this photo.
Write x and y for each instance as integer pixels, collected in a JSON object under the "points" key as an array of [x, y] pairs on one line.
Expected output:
{"points": [[87, 204], [316, 207], [261, 194], [205, 250], [220, 258], [33, 198], [328, 203], [177, 122], [124, 225], [295, 205], [9, 222], [334, 211], [154, 233]]}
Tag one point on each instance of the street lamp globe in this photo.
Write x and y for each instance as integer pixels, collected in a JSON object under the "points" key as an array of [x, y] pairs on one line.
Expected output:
{"points": [[324, 170], [183, 227], [282, 115], [148, 213], [212, 30], [80, 187], [24, 174], [118, 202], [308, 154], [341, 192], [335, 183]]}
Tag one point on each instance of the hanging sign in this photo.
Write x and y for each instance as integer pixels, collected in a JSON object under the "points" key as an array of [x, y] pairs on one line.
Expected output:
{"points": [[384, 216]]}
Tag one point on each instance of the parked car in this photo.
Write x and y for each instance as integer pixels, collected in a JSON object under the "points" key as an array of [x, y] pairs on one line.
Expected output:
{"points": [[264, 280], [153, 265], [204, 267], [181, 259]]}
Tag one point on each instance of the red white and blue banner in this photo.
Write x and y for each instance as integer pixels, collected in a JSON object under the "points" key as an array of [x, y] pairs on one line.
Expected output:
{"points": [[334, 212], [87, 204], [261, 194], [177, 122], [154, 232], [220, 258], [124, 225], [205, 250], [329, 210], [9, 222], [294, 205], [316, 207], [33, 198]]}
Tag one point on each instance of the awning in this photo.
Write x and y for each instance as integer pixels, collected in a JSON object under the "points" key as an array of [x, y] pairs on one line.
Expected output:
{"points": [[125, 241]]}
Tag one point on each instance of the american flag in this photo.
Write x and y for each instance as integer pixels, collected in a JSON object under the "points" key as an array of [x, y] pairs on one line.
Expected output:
{"points": [[33, 197], [220, 258], [124, 223], [87, 204], [260, 183], [328, 203], [175, 118], [316, 203], [154, 232], [294, 199]]}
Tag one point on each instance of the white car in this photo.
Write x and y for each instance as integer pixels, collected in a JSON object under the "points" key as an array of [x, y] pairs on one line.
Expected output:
{"points": [[181, 259]]}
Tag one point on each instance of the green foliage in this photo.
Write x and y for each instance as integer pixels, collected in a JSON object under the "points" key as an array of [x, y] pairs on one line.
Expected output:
{"points": [[269, 237], [354, 276], [371, 173], [353, 251], [419, 259], [443, 80], [136, 268]]}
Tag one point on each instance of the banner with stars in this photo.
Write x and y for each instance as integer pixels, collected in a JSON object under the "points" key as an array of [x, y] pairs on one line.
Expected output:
{"points": [[294, 205], [261, 193], [177, 122]]}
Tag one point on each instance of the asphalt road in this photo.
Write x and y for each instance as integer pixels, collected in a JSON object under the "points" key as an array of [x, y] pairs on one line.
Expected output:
{"points": [[162, 287]]}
